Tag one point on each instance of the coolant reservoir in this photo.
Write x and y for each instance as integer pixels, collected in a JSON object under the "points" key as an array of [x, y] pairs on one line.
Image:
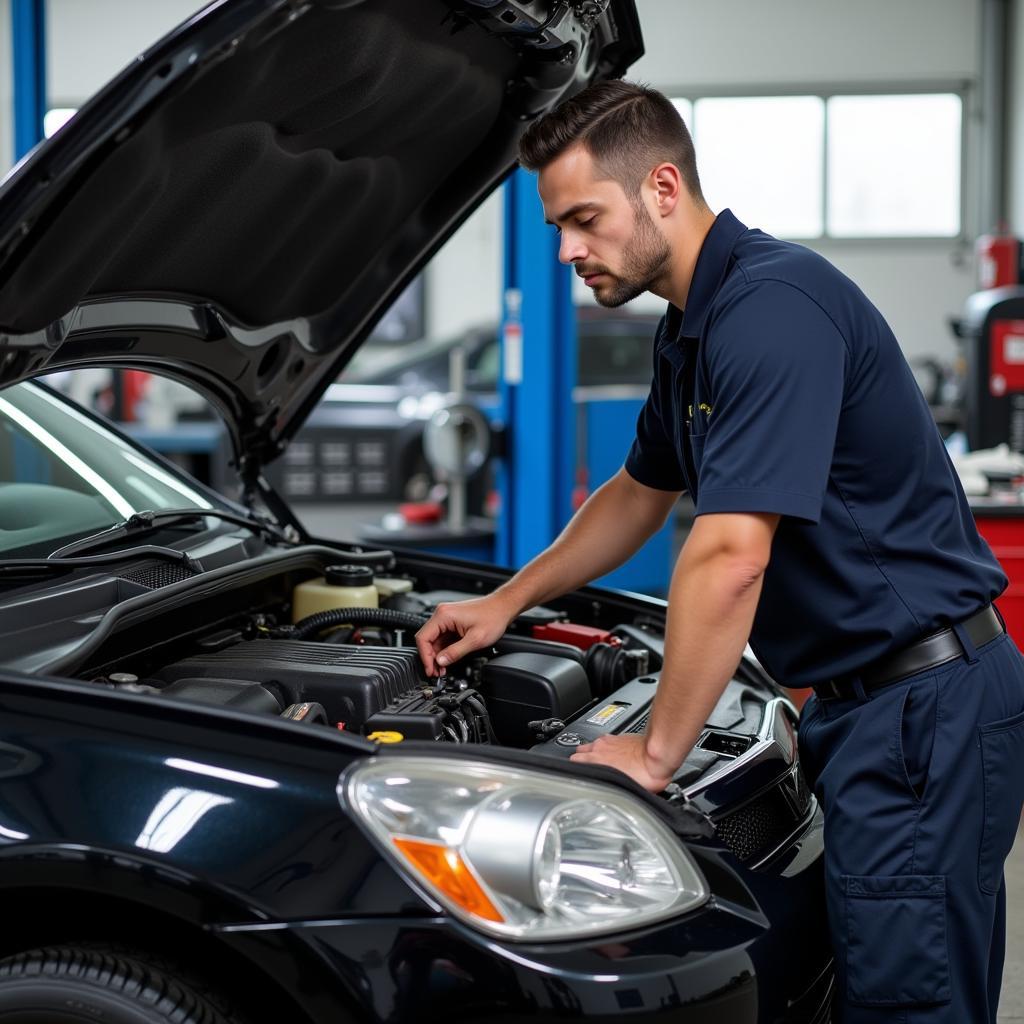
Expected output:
{"points": [[341, 586], [388, 586]]}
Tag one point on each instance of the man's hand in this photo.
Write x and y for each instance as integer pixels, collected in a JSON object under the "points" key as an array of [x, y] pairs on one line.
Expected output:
{"points": [[629, 754], [460, 627]]}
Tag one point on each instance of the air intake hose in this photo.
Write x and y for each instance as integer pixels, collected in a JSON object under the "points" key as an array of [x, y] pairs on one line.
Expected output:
{"points": [[313, 624]]}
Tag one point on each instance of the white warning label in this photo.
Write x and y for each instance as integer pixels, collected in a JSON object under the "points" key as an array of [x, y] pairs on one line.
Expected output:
{"points": [[608, 713]]}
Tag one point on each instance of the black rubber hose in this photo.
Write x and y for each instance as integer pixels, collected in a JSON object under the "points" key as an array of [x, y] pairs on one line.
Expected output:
{"points": [[313, 624]]}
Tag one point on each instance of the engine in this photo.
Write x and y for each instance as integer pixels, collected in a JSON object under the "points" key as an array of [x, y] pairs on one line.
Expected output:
{"points": [[379, 691], [361, 674]]}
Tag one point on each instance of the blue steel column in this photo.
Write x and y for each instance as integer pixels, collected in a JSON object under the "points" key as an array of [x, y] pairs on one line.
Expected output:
{"points": [[539, 374], [28, 30]]}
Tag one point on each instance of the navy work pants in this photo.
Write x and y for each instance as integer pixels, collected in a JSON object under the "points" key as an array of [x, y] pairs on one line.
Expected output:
{"points": [[921, 783]]}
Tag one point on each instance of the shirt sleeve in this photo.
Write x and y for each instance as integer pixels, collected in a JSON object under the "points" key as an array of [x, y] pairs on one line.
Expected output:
{"points": [[777, 365], [652, 458]]}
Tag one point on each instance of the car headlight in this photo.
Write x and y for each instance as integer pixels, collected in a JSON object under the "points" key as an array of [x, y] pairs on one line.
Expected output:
{"points": [[524, 854]]}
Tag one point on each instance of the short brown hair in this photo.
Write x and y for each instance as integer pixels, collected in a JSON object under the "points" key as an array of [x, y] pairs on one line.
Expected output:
{"points": [[626, 127]]}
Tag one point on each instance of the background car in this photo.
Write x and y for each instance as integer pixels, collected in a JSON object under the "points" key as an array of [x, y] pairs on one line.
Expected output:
{"points": [[364, 442]]}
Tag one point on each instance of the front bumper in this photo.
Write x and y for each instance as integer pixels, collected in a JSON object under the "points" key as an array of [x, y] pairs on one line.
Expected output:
{"points": [[763, 957]]}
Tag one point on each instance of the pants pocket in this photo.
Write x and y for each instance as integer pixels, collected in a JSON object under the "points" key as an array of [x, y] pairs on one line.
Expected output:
{"points": [[896, 951], [1002, 767], [915, 734]]}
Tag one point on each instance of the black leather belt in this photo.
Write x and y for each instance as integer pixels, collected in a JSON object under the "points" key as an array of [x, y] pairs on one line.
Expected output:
{"points": [[927, 653]]}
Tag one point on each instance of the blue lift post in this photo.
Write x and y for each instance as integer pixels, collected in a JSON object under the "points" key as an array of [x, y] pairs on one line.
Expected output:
{"points": [[535, 478], [537, 475], [28, 30]]}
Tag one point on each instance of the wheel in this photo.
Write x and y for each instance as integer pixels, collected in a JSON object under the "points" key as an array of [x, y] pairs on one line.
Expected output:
{"points": [[73, 984]]}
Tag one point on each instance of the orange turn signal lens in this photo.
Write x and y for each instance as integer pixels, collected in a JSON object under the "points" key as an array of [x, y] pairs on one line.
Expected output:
{"points": [[444, 868]]}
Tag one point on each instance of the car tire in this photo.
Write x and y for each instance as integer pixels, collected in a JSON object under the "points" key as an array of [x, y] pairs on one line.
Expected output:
{"points": [[75, 984]]}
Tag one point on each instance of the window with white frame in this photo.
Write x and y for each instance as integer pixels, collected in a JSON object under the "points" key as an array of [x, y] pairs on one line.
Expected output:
{"points": [[832, 166]]}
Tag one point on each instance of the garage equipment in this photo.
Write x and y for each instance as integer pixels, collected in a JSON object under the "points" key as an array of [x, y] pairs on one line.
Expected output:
{"points": [[999, 259], [992, 333], [457, 445], [1002, 526]]}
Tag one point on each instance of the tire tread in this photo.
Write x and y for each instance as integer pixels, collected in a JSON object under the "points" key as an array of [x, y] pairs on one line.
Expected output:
{"points": [[152, 980]]}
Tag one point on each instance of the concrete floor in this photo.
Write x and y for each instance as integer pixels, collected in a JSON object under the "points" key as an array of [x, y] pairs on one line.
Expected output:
{"points": [[1011, 1003], [344, 522]]}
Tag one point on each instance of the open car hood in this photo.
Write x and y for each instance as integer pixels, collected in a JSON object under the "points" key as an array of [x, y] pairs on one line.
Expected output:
{"points": [[242, 203]]}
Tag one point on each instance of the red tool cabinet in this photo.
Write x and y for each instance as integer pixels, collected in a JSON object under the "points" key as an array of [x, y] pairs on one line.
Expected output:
{"points": [[1002, 526]]}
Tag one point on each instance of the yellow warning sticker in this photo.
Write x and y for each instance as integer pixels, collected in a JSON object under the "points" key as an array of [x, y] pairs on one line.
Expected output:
{"points": [[607, 713]]}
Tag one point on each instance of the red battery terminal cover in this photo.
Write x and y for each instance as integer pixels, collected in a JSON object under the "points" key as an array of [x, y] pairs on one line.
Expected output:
{"points": [[583, 637]]}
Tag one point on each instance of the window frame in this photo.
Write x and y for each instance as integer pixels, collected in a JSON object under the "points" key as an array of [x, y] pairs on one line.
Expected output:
{"points": [[958, 87]]}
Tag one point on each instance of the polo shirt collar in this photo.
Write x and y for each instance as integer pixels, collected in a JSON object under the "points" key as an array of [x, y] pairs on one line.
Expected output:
{"points": [[712, 263]]}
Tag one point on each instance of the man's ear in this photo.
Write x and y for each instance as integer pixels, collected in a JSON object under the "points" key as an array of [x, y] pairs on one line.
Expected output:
{"points": [[666, 183]]}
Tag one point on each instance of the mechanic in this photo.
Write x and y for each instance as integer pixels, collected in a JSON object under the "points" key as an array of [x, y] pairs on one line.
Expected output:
{"points": [[830, 530]]}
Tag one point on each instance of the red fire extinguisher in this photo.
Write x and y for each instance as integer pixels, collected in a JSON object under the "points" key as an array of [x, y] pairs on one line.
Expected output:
{"points": [[999, 259]]}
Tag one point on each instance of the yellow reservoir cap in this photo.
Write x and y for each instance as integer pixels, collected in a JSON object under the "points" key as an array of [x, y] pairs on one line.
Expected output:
{"points": [[386, 736]]}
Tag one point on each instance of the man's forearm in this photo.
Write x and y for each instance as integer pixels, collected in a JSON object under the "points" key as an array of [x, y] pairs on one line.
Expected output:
{"points": [[712, 601], [609, 528]]}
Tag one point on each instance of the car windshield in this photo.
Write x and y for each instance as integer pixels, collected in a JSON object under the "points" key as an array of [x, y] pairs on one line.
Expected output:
{"points": [[63, 474]]}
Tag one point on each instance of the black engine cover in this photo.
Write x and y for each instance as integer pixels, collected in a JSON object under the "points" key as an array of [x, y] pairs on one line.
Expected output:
{"points": [[351, 682]]}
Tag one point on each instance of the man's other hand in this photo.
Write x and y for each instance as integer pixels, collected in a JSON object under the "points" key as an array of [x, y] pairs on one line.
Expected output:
{"points": [[629, 754]]}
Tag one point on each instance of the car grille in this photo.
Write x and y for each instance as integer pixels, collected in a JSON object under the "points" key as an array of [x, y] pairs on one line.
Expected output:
{"points": [[756, 828], [161, 574]]}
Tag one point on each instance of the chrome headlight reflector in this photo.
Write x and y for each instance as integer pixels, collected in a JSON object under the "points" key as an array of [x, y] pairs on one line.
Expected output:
{"points": [[521, 853]]}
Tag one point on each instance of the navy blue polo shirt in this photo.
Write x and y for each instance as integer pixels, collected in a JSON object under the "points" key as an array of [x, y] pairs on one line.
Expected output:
{"points": [[781, 389]]}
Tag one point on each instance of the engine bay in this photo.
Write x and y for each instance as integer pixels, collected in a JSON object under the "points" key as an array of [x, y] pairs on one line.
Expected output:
{"points": [[549, 684], [322, 638]]}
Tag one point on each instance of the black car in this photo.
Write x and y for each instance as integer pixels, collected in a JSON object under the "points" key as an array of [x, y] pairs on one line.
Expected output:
{"points": [[613, 350], [229, 792]]}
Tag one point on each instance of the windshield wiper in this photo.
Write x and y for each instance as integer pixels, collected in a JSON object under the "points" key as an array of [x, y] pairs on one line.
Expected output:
{"points": [[145, 522], [54, 566]]}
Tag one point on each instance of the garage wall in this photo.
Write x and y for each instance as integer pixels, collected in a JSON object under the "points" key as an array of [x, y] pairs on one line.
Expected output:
{"points": [[463, 282], [89, 42], [696, 46], [749, 42], [1015, 120]]}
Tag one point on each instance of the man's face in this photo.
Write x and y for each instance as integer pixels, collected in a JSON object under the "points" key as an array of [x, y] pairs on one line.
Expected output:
{"points": [[611, 241]]}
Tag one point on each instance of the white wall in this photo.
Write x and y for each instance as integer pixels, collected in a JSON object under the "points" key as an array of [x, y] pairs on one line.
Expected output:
{"points": [[757, 42], [463, 282], [732, 45], [6, 90], [89, 41], [1015, 120]]}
